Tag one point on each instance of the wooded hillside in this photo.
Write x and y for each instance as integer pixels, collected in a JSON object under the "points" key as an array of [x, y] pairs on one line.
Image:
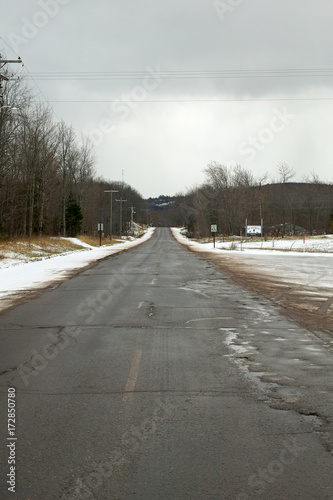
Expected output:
{"points": [[48, 183]]}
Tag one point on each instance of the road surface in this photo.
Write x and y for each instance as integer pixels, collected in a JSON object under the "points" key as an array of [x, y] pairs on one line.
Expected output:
{"points": [[129, 383]]}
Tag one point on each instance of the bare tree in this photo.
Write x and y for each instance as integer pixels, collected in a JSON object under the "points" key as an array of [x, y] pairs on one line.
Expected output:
{"points": [[230, 186], [286, 173], [68, 159]]}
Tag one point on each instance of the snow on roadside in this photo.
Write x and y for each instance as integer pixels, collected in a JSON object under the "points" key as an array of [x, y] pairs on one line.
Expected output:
{"points": [[79, 242], [317, 245], [22, 252], [308, 269], [37, 274]]}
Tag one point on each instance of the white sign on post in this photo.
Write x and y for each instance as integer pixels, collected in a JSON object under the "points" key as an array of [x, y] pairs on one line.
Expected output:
{"points": [[253, 230], [213, 228], [100, 227]]}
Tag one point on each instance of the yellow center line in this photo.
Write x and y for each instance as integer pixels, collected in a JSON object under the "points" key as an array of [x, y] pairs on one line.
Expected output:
{"points": [[133, 375]]}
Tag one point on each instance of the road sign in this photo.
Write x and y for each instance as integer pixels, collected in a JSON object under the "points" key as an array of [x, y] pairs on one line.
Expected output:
{"points": [[213, 229], [253, 230]]}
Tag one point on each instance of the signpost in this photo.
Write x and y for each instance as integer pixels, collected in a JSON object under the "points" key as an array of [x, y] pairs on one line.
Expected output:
{"points": [[100, 229], [255, 231], [213, 230]]}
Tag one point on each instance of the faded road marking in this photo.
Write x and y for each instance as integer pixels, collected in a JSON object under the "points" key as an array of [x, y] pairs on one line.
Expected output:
{"points": [[133, 375]]}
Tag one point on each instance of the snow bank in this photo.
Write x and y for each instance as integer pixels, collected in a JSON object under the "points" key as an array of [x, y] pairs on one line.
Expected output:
{"points": [[312, 269], [315, 245], [38, 274]]}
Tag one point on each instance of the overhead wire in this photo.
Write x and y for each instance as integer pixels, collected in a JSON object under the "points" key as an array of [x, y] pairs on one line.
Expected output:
{"points": [[24, 68], [185, 75], [273, 99], [178, 75]]}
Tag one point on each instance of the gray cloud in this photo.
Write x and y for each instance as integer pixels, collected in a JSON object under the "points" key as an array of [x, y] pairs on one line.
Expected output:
{"points": [[163, 147]]}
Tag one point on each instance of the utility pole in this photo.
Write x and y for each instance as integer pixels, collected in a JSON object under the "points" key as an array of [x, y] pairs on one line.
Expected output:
{"points": [[4, 75], [132, 217], [147, 213], [121, 201], [111, 191]]}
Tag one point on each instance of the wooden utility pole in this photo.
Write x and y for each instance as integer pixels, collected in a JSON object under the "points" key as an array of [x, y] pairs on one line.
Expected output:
{"points": [[4, 75], [111, 191], [132, 217], [121, 201]]}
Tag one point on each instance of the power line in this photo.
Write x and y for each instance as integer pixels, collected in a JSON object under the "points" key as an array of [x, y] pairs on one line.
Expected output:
{"points": [[32, 78], [273, 99], [11, 48], [181, 75], [43, 95], [110, 78]]}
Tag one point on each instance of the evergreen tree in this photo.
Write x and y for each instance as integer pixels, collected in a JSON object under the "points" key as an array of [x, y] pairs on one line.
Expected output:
{"points": [[73, 217]]}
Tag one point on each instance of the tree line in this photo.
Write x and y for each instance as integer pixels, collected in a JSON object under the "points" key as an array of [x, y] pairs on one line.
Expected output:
{"points": [[48, 185], [48, 182], [232, 195]]}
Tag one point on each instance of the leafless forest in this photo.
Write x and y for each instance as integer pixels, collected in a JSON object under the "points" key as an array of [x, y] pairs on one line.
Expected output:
{"points": [[231, 195], [48, 183]]}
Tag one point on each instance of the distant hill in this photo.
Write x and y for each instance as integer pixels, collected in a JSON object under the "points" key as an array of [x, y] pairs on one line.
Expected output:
{"points": [[160, 203]]}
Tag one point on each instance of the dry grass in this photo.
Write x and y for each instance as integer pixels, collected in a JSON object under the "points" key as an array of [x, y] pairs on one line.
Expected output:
{"points": [[44, 244], [26, 249], [94, 240], [35, 248]]}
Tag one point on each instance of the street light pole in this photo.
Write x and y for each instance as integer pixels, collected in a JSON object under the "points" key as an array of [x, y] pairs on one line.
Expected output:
{"points": [[111, 191]]}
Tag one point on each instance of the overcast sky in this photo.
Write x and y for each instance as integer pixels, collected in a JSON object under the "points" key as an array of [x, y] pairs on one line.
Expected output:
{"points": [[231, 81]]}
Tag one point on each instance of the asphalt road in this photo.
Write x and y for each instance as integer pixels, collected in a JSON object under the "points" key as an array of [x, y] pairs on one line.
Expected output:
{"points": [[127, 387]]}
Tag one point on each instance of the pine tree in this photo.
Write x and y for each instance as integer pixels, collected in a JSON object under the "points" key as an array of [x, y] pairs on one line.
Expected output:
{"points": [[73, 217]]}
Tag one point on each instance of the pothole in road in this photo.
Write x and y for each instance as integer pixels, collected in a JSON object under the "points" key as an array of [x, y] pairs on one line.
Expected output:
{"points": [[151, 311], [314, 419], [209, 288]]}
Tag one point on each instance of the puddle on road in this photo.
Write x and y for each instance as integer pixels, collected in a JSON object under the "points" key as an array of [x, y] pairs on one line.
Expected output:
{"points": [[288, 366], [288, 371]]}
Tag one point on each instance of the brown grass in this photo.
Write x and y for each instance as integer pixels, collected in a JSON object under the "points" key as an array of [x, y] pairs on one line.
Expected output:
{"points": [[25, 249], [94, 240]]}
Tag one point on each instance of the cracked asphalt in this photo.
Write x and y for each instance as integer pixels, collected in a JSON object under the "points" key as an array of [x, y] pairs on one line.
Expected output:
{"points": [[157, 374]]}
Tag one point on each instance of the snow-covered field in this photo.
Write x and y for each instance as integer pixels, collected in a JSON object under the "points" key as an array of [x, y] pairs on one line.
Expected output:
{"points": [[313, 244], [312, 268], [16, 277]]}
